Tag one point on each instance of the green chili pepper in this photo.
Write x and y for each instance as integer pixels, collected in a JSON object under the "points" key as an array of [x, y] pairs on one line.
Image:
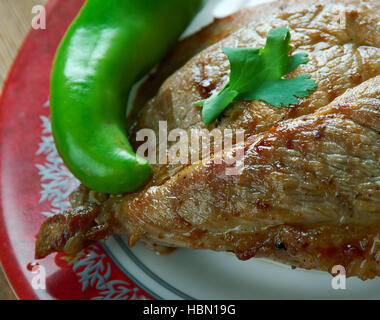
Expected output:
{"points": [[108, 47]]}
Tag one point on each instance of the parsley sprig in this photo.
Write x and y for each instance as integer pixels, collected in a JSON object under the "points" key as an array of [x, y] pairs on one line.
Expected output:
{"points": [[257, 74]]}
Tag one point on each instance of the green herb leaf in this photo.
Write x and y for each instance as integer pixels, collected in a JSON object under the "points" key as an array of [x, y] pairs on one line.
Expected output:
{"points": [[281, 92], [244, 63], [257, 74], [214, 106], [295, 60]]}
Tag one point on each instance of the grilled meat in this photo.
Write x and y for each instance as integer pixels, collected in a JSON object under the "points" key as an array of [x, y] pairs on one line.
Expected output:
{"points": [[309, 191]]}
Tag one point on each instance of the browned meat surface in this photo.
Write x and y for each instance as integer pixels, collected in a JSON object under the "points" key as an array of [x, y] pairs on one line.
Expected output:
{"points": [[311, 184], [309, 193]]}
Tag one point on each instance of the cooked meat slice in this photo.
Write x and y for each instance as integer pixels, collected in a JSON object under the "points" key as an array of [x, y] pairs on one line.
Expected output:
{"points": [[309, 194], [311, 184]]}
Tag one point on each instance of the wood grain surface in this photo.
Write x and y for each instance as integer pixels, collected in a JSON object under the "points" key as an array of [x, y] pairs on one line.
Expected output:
{"points": [[15, 21]]}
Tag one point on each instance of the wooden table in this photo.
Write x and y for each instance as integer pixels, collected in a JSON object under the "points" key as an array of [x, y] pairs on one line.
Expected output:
{"points": [[15, 20]]}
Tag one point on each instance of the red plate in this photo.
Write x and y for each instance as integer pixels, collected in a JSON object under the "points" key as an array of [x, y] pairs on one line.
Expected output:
{"points": [[33, 181]]}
